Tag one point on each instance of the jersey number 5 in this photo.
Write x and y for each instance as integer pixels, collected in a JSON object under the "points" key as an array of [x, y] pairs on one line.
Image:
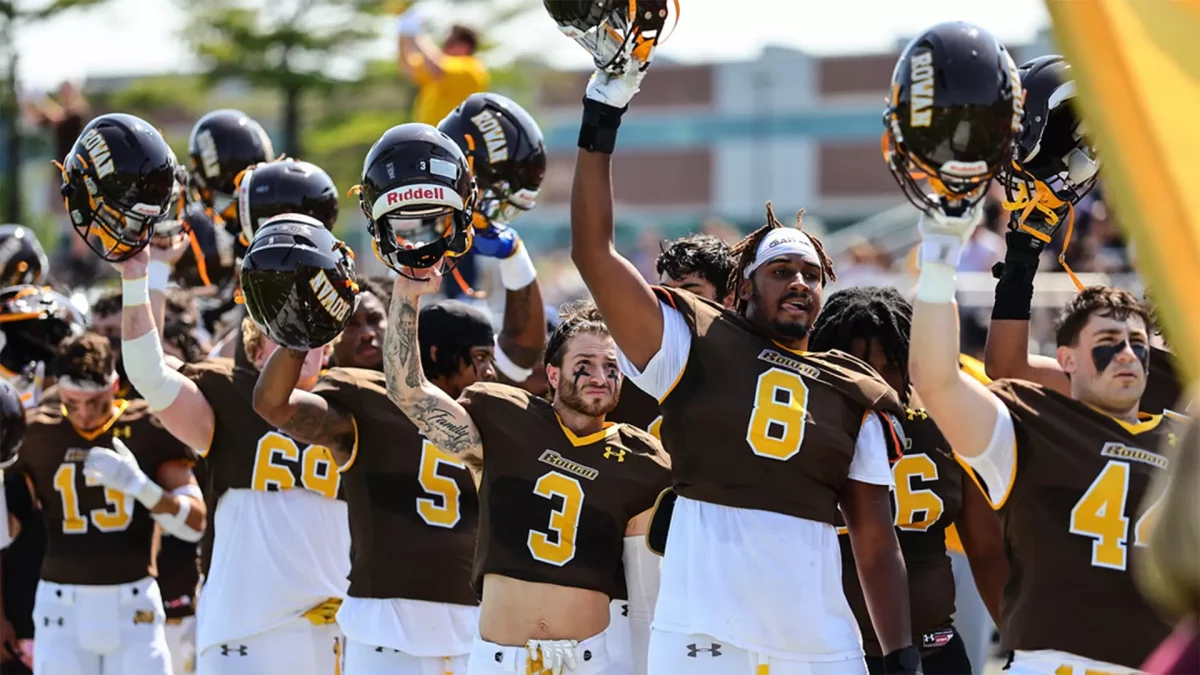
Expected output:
{"points": [[114, 518], [442, 510], [564, 522], [277, 454], [776, 427], [1100, 514]]}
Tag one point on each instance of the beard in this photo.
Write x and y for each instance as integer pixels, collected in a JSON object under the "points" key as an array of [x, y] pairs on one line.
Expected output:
{"points": [[796, 331], [574, 400]]}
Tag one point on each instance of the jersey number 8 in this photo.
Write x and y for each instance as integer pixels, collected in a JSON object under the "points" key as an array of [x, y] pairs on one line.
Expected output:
{"points": [[776, 428]]}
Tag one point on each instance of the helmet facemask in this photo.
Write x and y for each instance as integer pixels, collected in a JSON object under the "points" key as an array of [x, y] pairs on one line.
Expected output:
{"points": [[420, 235], [500, 204], [614, 31], [115, 231], [956, 186]]}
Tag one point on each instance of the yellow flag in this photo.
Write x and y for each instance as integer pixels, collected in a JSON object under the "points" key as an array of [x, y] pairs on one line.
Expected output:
{"points": [[1137, 66]]}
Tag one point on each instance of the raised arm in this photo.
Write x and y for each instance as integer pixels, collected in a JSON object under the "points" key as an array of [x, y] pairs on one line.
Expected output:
{"points": [[439, 417], [629, 306], [302, 415], [175, 399], [1007, 352], [523, 334]]}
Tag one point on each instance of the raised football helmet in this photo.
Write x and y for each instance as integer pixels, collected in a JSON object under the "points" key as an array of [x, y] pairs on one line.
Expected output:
{"points": [[505, 151], [298, 281], [117, 184], [22, 259], [285, 186], [417, 190], [612, 30], [952, 116], [209, 259], [223, 144], [33, 320], [12, 424]]}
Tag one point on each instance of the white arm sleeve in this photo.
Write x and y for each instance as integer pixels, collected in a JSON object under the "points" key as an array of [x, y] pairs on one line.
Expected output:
{"points": [[997, 464], [870, 463], [175, 524], [643, 572], [146, 367], [664, 369]]}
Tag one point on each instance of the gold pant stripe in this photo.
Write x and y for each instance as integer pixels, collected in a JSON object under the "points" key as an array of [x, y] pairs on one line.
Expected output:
{"points": [[324, 613]]}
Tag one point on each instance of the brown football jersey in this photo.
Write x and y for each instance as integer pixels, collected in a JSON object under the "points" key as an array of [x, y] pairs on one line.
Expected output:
{"points": [[94, 535], [178, 575], [1070, 520], [753, 425], [247, 453], [414, 510], [637, 409], [927, 499], [553, 506]]}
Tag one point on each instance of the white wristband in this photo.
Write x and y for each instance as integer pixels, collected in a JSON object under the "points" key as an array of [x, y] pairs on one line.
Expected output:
{"points": [[517, 270], [135, 292], [936, 283], [505, 365], [150, 494], [940, 248], [158, 274]]}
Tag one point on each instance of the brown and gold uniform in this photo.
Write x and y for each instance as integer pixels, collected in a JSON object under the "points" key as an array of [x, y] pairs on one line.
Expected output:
{"points": [[927, 499], [94, 535], [1070, 519], [414, 510], [636, 408], [554, 506]]}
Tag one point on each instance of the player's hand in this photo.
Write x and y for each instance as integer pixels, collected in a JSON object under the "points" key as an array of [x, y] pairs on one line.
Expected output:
{"points": [[9, 643], [557, 656], [409, 23], [496, 241], [116, 469], [616, 90], [943, 235], [169, 249], [414, 283], [134, 266]]}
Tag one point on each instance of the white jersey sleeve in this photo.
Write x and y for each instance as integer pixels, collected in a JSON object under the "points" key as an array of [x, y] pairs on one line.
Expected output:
{"points": [[997, 464], [665, 368], [870, 463]]}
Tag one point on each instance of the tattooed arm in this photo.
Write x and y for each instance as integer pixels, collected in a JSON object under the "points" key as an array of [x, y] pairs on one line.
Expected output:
{"points": [[301, 414], [439, 417]]}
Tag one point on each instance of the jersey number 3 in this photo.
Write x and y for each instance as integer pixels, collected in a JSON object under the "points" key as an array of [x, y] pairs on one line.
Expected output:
{"points": [[564, 522], [776, 427], [1100, 514], [114, 518]]}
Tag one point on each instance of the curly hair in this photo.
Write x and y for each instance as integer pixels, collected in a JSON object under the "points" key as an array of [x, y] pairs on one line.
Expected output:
{"points": [[1106, 301], [380, 287], [866, 313], [576, 318], [108, 304], [85, 358], [745, 251], [701, 254]]}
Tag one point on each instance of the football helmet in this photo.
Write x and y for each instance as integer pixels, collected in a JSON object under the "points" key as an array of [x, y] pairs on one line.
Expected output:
{"points": [[117, 184], [298, 281], [33, 320], [12, 424], [209, 260], [417, 190], [505, 151], [952, 116], [612, 31], [223, 143], [285, 186], [22, 259]]}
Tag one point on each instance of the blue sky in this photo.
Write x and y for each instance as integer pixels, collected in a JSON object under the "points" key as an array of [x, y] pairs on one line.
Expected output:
{"points": [[142, 36]]}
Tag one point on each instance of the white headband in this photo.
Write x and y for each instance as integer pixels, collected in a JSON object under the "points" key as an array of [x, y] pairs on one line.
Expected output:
{"points": [[779, 242], [84, 386]]}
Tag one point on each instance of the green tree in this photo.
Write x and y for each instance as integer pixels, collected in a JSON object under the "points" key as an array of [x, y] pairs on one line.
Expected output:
{"points": [[14, 17]]}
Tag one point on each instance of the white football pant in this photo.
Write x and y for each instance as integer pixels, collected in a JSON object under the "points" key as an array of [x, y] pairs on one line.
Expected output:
{"points": [[971, 618], [675, 654], [617, 635], [591, 658], [364, 659], [181, 640], [100, 630], [298, 647]]}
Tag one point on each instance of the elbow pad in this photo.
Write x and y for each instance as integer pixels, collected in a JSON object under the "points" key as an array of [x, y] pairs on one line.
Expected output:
{"points": [[175, 524], [146, 367]]}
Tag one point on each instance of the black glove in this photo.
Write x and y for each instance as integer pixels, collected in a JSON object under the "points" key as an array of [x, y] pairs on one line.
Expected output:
{"points": [[906, 661], [1014, 290]]}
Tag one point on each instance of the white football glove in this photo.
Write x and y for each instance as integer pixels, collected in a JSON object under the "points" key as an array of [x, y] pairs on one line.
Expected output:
{"points": [[943, 236], [557, 656], [615, 90], [410, 23], [118, 469]]}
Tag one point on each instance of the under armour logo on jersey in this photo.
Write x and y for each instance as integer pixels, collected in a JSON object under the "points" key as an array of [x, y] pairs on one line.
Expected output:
{"points": [[917, 414], [240, 650], [143, 616], [714, 650], [619, 454], [122, 432]]}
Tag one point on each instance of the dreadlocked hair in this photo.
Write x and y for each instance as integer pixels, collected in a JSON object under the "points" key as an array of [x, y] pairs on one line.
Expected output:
{"points": [[866, 313], [576, 318], [745, 251]]}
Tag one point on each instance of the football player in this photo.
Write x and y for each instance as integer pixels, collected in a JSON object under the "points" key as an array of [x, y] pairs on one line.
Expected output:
{"points": [[98, 608], [277, 557], [33, 321], [22, 259], [1054, 168], [931, 493], [547, 567], [223, 143], [761, 479], [15, 639], [360, 345]]}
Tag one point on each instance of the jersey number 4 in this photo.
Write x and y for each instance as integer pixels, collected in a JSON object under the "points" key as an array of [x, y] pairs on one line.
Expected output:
{"points": [[1100, 514], [564, 521], [113, 518]]}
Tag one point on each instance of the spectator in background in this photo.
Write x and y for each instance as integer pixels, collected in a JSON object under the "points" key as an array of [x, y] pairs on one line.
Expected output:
{"points": [[986, 246], [444, 77], [65, 118]]}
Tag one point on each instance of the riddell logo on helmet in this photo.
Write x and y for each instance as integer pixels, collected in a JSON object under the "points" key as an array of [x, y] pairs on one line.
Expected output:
{"points": [[416, 194], [921, 80]]}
